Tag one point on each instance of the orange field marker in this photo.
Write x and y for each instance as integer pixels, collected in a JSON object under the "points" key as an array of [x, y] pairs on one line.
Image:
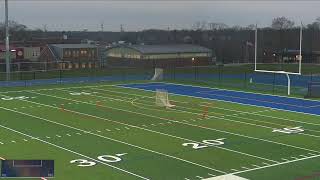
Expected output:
{"points": [[98, 104], [62, 107]]}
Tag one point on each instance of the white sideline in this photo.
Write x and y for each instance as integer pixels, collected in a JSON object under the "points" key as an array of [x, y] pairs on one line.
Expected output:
{"points": [[210, 116], [237, 97], [49, 89], [211, 99], [242, 112], [106, 119], [278, 164], [73, 152], [111, 139], [233, 90], [226, 132], [254, 113], [234, 115]]}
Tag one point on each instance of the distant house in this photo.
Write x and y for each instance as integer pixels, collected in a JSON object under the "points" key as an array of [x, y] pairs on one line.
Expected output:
{"points": [[159, 55], [70, 56], [21, 58], [292, 56]]}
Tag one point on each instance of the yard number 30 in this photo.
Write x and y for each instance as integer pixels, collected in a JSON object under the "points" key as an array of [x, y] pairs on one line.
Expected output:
{"points": [[104, 158]]}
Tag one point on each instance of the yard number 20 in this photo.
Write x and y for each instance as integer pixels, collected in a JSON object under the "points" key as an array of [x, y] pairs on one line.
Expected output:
{"points": [[205, 143]]}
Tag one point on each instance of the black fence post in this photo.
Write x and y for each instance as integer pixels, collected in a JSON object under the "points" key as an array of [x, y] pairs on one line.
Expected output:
{"points": [[60, 75], [174, 72], [245, 80], [273, 83], [219, 72]]}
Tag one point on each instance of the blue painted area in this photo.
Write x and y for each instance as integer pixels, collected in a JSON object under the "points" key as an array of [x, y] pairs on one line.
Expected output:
{"points": [[73, 80], [264, 78], [277, 102]]}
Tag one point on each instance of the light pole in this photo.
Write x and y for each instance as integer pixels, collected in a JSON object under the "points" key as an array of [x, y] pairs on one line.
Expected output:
{"points": [[7, 42]]}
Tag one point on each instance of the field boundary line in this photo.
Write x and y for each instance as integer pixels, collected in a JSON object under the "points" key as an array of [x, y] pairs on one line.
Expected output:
{"points": [[233, 110], [71, 151], [50, 89], [221, 118], [233, 90], [111, 139], [237, 97], [197, 126], [240, 122], [212, 99], [278, 164], [161, 133]]}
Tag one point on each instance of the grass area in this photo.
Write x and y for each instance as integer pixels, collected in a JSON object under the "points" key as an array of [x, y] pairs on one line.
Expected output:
{"points": [[123, 135]]}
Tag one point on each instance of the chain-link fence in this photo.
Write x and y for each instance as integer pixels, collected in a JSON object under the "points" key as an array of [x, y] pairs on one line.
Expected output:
{"points": [[243, 78], [237, 77]]}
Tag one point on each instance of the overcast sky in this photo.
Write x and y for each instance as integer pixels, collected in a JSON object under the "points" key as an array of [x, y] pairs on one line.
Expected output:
{"points": [[138, 15]]}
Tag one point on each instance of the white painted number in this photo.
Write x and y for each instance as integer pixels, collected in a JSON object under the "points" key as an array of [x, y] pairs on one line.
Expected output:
{"points": [[79, 93], [83, 162], [104, 158], [292, 130], [205, 143], [15, 98]]}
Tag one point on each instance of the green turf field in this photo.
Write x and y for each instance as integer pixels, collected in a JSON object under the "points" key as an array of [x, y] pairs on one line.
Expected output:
{"points": [[104, 132]]}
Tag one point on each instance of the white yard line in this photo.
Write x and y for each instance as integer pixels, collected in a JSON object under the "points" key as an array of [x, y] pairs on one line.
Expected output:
{"points": [[234, 151], [278, 164], [50, 89], [228, 101], [71, 151], [111, 139], [169, 120], [215, 107]]}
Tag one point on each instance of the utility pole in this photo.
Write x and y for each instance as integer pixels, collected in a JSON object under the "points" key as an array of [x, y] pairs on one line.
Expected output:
{"points": [[7, 42], [102, 27]]}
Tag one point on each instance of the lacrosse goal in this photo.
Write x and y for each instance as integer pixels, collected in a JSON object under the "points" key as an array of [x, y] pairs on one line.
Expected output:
{"points": [[162, 99]]}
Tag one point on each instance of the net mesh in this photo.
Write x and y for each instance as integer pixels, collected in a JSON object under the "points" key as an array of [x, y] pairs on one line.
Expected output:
{"points": [[158, 74], [162, 99]]}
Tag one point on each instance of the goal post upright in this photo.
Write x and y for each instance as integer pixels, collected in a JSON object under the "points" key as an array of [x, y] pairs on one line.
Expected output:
{"points": [[255, 47], [300, 50], [280, 72]]}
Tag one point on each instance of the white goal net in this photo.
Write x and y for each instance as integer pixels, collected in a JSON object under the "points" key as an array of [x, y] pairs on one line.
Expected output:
{"points": [[162, 99], [158, 74]]}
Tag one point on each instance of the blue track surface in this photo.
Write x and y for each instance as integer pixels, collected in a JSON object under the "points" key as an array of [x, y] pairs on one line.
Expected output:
{"points": [[276, 102]]}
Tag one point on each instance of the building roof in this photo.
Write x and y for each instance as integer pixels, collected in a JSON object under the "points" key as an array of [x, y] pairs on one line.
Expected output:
{"points": [[75, 46], [172, 48]]}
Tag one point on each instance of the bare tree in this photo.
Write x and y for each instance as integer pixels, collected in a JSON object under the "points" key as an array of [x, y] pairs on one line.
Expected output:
{"points": [[217, 26], [282, 23], [200, 25], [315, 24], [251, 27]]}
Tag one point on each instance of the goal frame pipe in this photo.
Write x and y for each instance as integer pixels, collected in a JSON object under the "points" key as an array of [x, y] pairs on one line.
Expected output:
{"points": [[280, 72]]}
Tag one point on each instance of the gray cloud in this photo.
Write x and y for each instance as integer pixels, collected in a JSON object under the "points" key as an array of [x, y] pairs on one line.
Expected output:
{"points": [[137, 15]]}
